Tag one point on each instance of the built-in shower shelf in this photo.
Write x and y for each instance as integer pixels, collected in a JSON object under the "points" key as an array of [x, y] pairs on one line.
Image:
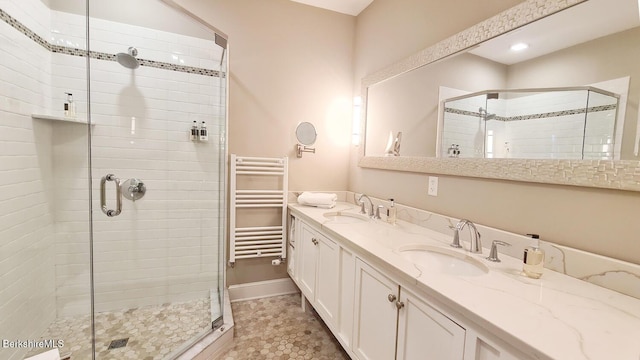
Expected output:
{"points": [[59, 118]]}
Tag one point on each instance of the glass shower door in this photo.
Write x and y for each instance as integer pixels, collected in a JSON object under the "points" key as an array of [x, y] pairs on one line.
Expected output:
{"points": [[157, 105], [112, 217]]}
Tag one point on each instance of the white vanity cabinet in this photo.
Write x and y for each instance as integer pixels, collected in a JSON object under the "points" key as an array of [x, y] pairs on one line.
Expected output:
{"points": [[318, 271], [392, 323], [373, 316], [487, 347], [324, 272], [424, 332], [291, 248]]}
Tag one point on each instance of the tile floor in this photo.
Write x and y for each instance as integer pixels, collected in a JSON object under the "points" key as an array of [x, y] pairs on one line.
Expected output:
{"points": [[270, 328], [277, 328], [153, 331]]}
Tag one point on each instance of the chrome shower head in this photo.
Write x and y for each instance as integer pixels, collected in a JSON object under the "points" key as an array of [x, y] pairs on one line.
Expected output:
{"points": [[484, 115], [128, 59]]}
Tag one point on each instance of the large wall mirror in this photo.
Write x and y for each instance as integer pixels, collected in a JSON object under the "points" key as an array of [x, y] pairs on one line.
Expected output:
{"points": [[564, 109]]}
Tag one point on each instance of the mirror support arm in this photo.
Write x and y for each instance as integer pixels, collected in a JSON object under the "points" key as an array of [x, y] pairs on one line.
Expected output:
{"points": [[303, 148]]}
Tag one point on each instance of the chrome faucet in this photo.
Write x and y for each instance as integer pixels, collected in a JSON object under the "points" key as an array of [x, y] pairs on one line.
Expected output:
{"points": [[475, 246], [362, 208]]}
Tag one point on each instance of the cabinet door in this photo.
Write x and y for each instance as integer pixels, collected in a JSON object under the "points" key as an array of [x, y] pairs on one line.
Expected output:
{"points": [[307, 261], [480, 347], [291, 251], [375, 316], [425, 333], [347, 294], [327, 279]]}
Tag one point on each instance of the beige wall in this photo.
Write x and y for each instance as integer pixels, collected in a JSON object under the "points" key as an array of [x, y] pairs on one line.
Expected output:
{"points": [[410, 101], [291, 63], [288, 63], [600, 221]]}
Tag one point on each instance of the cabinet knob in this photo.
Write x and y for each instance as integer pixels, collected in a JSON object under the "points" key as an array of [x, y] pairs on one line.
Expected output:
{"points": [[399, 304], [391, 298], [314, 241]]}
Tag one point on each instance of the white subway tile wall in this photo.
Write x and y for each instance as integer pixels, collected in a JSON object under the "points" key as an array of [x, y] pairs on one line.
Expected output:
{"points": [[27, 263], [163, 247], [464, 130], [553, 137]]}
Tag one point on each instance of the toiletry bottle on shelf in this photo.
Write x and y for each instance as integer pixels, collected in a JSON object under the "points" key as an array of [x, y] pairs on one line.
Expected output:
{"points": [[392, 214], [204, 134], [533, 259], [194, 131], [66, 107], [70, 107]]}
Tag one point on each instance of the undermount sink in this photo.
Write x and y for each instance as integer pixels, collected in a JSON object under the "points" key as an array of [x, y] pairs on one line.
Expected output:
{"points": [[443, 260], [338, 217]]}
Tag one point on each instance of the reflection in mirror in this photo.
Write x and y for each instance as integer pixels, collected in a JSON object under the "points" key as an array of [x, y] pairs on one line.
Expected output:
{"points": [[577, 47], [560, 123]]}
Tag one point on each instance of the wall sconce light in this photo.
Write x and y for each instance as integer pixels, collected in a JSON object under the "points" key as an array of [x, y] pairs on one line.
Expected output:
{"points": [[355, 128]]}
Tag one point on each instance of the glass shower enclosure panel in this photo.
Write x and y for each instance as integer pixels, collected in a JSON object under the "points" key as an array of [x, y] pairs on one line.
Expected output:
{"points": [[463, 131], [553, 123], [156, 95], [112, 222], [45, 287]]}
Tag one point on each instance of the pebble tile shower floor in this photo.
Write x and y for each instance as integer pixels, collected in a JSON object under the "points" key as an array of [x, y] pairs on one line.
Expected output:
{"points": [[152, 331], [277, 328]]}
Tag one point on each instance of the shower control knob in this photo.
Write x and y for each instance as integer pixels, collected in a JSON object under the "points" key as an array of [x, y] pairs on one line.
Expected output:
{"points": [[133, 189]]}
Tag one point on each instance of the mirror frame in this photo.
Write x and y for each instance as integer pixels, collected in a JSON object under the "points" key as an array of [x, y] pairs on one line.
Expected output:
{"points": [[608, 174]]}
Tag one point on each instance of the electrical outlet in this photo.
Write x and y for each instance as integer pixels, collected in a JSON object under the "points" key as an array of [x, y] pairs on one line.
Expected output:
{"points": [[433, 186]]}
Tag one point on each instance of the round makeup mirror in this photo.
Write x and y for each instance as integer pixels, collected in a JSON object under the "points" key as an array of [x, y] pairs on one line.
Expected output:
{"points": [[306, 133]]}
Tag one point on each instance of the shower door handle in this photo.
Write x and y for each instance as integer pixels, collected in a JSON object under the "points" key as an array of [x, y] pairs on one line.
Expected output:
{"points": [[103, 195]]}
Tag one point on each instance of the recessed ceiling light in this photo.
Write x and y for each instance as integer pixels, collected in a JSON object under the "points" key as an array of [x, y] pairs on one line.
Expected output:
{"points": [[519, 46]]}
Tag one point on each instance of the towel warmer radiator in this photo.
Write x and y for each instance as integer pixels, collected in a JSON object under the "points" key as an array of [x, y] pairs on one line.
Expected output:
{"points": [[258, 241]]}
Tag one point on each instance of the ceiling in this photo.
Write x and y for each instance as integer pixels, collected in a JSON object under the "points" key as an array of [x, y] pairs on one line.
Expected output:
{"points": [[349, 7], [581, 23]]}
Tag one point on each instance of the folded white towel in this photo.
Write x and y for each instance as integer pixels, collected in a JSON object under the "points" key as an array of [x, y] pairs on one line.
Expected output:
{"points": [[323, 200]]}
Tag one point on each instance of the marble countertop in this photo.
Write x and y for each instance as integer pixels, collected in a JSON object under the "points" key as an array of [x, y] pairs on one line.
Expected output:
{"points": [[556, 316]]}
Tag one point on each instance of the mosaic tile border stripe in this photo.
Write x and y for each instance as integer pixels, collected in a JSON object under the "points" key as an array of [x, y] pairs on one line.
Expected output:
{"points": [[592, 109], [619, 175], [13, 22]]}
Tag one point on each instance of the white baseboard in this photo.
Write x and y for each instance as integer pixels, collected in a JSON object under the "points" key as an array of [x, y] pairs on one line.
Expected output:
{"points": [[262, 289]]}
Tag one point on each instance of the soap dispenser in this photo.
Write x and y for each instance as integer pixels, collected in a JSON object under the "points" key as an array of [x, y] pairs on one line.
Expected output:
{"points": [[392, 213], [204, 134], [69, 107], [533, 259], [194, 134]]}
